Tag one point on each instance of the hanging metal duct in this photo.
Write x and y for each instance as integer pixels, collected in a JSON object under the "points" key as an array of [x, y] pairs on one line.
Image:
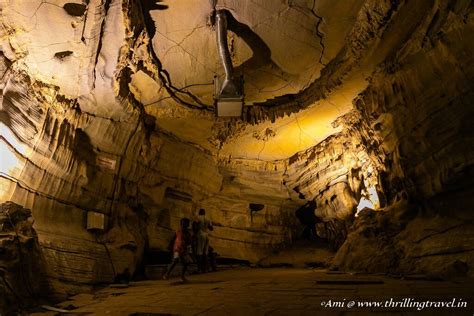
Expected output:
{"points": [[229, 98]]}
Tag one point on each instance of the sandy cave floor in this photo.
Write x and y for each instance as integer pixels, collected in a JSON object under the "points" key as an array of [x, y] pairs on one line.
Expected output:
{"points": [[275, 291]]}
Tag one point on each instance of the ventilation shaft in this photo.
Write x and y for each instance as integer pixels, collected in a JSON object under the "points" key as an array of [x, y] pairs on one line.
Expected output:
{"points": [[228, 97]]}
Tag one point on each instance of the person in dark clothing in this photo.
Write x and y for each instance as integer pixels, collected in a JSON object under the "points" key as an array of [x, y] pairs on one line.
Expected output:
{"points": [[181, 245], [306, 216], [212, 258], [201, 228]]}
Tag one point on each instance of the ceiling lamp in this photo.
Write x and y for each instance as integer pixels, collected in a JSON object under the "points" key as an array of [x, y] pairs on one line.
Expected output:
{"points": [[228, 95]]}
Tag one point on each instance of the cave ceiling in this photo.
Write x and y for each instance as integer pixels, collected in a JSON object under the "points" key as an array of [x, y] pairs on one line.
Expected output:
{"points": [[284, 49]]}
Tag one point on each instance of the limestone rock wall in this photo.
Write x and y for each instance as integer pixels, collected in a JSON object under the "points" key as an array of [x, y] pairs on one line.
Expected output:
{"points": [[339, 171], [71, 146], [66, 169], [22, 275], [246, 234], [419, 104], [336, 173], [178, 186]]}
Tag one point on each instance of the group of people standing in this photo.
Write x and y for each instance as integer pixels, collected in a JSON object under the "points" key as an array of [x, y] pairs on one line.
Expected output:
{"points": [[192, 246]]}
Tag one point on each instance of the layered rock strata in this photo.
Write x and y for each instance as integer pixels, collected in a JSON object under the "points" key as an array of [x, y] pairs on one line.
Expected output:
{"points": [[93, 121], [418, 102]]}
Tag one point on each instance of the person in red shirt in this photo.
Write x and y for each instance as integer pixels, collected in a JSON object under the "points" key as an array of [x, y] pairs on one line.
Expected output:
{"points": [[181, 246]]}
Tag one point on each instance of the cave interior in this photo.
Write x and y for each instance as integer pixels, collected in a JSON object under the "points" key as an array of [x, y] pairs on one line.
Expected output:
{"points": [[352, 148]]}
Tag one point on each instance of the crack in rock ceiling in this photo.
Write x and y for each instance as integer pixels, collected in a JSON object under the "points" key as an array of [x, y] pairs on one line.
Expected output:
{"points": [[280, 47], [259, 38]]}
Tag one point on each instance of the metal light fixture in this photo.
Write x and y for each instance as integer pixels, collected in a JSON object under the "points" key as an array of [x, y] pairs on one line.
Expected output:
{"points": [[228, 95]]}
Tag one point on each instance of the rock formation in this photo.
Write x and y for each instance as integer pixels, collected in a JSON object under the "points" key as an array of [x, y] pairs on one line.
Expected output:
{"points": [[107, 112], [22, 278], [418, 104]]}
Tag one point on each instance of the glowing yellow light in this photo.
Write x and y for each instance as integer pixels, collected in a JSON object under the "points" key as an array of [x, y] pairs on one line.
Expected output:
{"points": [[8, 163], [7, 134], [364, 202], [374, 197], [11, 161], [8, 160], [370, 200]]}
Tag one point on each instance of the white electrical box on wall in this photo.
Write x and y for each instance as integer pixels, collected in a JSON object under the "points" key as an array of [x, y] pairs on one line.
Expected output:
{"points": [[95, 221]]}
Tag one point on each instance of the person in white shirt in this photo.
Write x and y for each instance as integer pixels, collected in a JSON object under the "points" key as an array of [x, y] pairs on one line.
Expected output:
{"points": [[201, 228]]}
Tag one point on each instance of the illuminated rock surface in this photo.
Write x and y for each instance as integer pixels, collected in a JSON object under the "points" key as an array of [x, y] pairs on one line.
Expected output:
{"points": [[108, 108]]}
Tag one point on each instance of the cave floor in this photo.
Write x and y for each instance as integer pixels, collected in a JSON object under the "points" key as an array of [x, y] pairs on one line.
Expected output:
{"points": [[271, 291]]}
